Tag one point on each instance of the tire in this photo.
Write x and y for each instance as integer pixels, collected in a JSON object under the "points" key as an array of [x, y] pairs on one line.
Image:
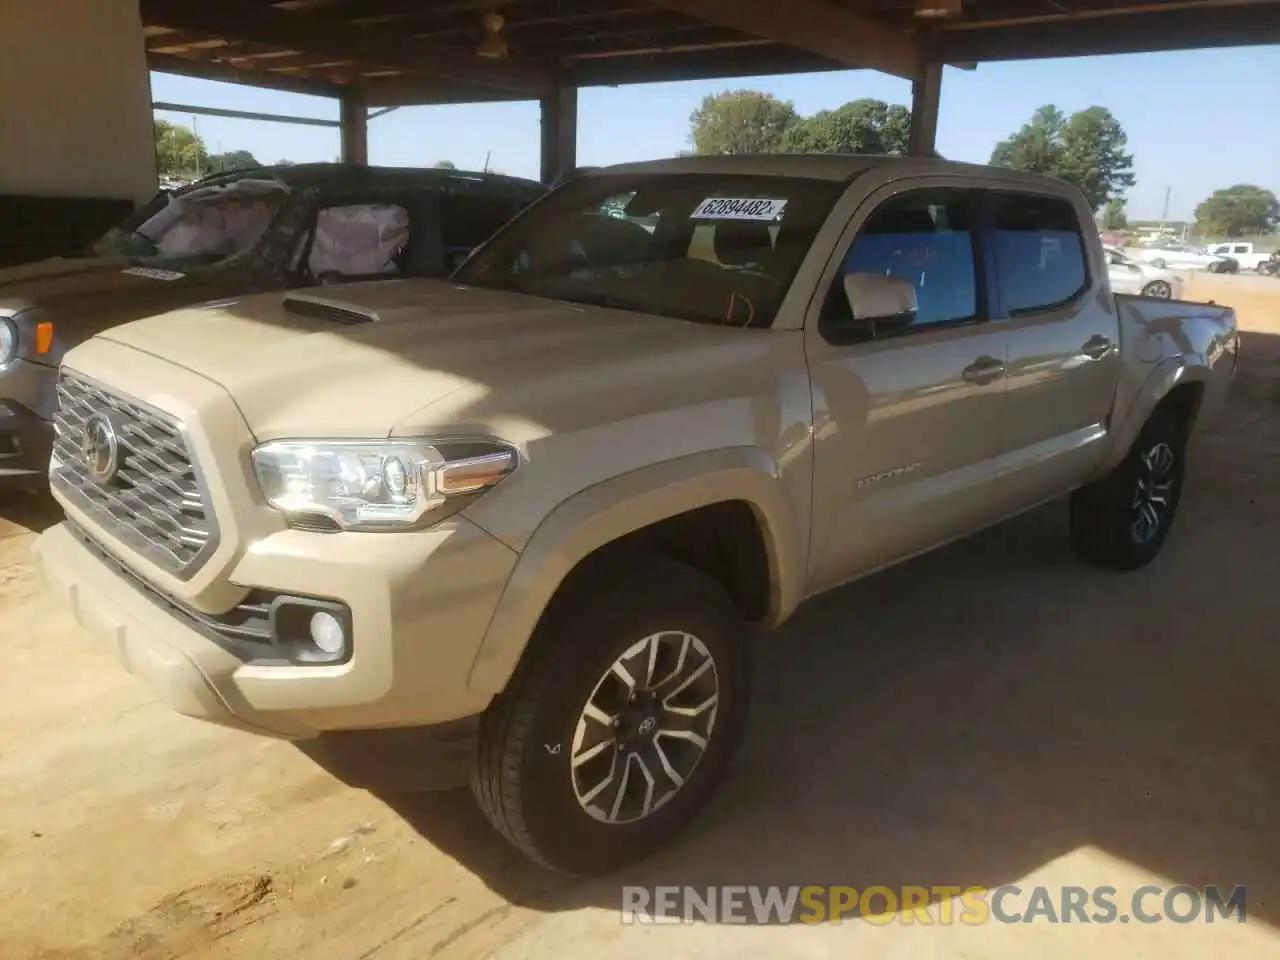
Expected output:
{"points": [[1108, 526], [1159, 289], [525, 781]]}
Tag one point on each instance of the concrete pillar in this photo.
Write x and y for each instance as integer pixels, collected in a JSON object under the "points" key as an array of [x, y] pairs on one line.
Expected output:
{"points": [[75, 101], [559, 133], [926, 93], [355, 126]]}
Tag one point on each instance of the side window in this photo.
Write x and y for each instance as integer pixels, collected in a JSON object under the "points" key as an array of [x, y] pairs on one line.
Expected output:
{"points": [[469, 219], [925, 237], [1241, 248], [1039, 253], [358, 240]]}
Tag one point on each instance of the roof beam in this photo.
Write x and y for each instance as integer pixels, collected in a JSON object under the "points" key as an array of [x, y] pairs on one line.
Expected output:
{"points": [[311, 33], [227, 73], [1182, 28], [818, 26]]}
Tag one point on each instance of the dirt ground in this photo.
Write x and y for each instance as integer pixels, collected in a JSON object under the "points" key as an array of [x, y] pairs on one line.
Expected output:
{"points": [[991, 713]]}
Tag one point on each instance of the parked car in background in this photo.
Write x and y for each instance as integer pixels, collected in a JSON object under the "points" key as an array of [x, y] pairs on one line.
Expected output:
{"points": [[1186, 257], [270, 228], [1242, 252], [512, 528], [1129, 276]]}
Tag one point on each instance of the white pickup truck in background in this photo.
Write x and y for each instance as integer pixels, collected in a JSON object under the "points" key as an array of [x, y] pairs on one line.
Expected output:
{"points": [[1242, 252]]}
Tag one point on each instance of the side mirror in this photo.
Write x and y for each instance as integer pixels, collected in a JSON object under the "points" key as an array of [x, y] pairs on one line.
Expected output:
{"points": [[879, 305]]}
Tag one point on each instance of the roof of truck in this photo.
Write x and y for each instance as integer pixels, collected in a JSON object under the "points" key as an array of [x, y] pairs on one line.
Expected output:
{"points": [[814, 166]]}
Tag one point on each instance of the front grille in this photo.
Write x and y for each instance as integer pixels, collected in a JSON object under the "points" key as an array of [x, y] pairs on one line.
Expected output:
{"points": [[153, 501]]}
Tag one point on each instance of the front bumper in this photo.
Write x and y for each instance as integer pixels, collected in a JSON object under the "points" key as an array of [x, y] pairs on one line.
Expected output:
{"points": [[420, 604]]}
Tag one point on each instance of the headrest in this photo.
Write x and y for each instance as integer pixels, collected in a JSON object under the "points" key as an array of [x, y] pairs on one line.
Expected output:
{"points": [[739, 242]]}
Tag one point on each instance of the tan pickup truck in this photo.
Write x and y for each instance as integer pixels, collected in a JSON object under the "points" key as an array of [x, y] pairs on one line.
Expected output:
{"points": [[513, 528]]}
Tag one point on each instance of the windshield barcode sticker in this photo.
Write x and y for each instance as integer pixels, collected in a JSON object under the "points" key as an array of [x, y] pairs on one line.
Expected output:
{"points": [[151, 273], [734, 208]]}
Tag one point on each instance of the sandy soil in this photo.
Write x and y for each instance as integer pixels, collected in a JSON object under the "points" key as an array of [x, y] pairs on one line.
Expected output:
{"points": [[991, 713]]}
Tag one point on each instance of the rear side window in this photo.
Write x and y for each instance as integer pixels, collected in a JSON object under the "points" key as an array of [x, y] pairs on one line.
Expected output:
{"points": [[469, 219], [1039, 253], [358, 240]]}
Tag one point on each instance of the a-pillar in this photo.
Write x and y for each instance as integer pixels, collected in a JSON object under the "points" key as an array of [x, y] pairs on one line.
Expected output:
{"points": [[559, 133], [355, 126], [926, 93]]}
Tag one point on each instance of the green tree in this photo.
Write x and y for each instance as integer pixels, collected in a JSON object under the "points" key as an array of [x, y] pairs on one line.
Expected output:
{"points": [[1238, 211], [1037, 146], [178, 150], [1114, 216], [234, 160], [862, 126], [740, 121], [446, 165], [1086, 149]]}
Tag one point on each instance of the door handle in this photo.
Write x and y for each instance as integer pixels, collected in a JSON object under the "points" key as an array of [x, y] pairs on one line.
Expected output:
{"points": [[983, 371], [1096, 347]]}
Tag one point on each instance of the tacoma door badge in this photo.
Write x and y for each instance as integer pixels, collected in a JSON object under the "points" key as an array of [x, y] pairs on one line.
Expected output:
{"points": [[896, 473]]}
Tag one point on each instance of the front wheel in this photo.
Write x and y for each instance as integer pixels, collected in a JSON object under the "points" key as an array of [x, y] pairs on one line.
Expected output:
{"points": [[1121, 521], [620, 722], [1159, 289]]}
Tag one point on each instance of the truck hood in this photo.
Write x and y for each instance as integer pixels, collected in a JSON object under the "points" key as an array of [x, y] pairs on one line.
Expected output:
{"points": [[85, 296], [299, 374]]}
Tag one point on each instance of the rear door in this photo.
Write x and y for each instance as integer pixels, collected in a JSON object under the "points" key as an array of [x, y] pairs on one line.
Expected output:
{"points": [[905, 424], [1063, 344]]}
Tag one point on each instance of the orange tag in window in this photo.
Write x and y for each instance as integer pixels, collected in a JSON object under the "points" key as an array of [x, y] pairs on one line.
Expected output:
{"points": [[44, 337]]}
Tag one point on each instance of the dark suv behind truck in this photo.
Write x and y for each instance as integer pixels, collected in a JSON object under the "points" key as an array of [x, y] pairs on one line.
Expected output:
{"points": [[269, 228]]}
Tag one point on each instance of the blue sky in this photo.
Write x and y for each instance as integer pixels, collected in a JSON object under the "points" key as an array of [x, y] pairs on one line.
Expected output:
{"points": [[1196, 121]]}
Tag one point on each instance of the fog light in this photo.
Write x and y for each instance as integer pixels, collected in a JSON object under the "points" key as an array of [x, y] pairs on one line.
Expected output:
{"points": [[327, 633]]}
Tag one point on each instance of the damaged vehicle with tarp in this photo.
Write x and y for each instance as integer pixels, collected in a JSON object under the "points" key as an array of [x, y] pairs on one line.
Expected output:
{"points": [[250, 231]]}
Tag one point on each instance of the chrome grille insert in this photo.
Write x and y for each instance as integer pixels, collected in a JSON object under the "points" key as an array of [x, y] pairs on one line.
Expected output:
{"points": [[151, 498]]}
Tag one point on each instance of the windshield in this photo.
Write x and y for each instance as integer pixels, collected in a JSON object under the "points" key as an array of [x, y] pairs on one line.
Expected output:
{"points": [[703, 247], [202, 226]]}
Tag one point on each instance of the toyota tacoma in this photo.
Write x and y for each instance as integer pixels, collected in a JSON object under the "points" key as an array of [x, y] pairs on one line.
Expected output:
{"points": [[513, 528]]}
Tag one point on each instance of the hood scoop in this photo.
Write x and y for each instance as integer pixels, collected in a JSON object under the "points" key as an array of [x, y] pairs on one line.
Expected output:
{"points": [[321, 309]]}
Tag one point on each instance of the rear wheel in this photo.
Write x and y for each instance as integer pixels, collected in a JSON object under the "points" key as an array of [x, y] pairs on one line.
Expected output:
{"points": [[1121, 521], [1158, 288], [620, 722]]}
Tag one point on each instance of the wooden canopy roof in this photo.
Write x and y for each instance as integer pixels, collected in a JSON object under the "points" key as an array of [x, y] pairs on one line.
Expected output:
{"points": [[426, 51]]}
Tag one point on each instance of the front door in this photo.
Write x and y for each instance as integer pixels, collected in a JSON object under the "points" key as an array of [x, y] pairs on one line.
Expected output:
{"points": [[1063, 345], [906, 424]]}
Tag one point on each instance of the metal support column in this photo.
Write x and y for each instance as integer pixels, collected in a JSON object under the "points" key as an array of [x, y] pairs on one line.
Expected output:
{"points": [[559, 133], [355, 126], [926, 92]]}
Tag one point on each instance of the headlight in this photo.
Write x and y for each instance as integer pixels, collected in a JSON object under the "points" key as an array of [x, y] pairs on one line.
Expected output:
{"points": [[8, 341], [377, 484]]}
